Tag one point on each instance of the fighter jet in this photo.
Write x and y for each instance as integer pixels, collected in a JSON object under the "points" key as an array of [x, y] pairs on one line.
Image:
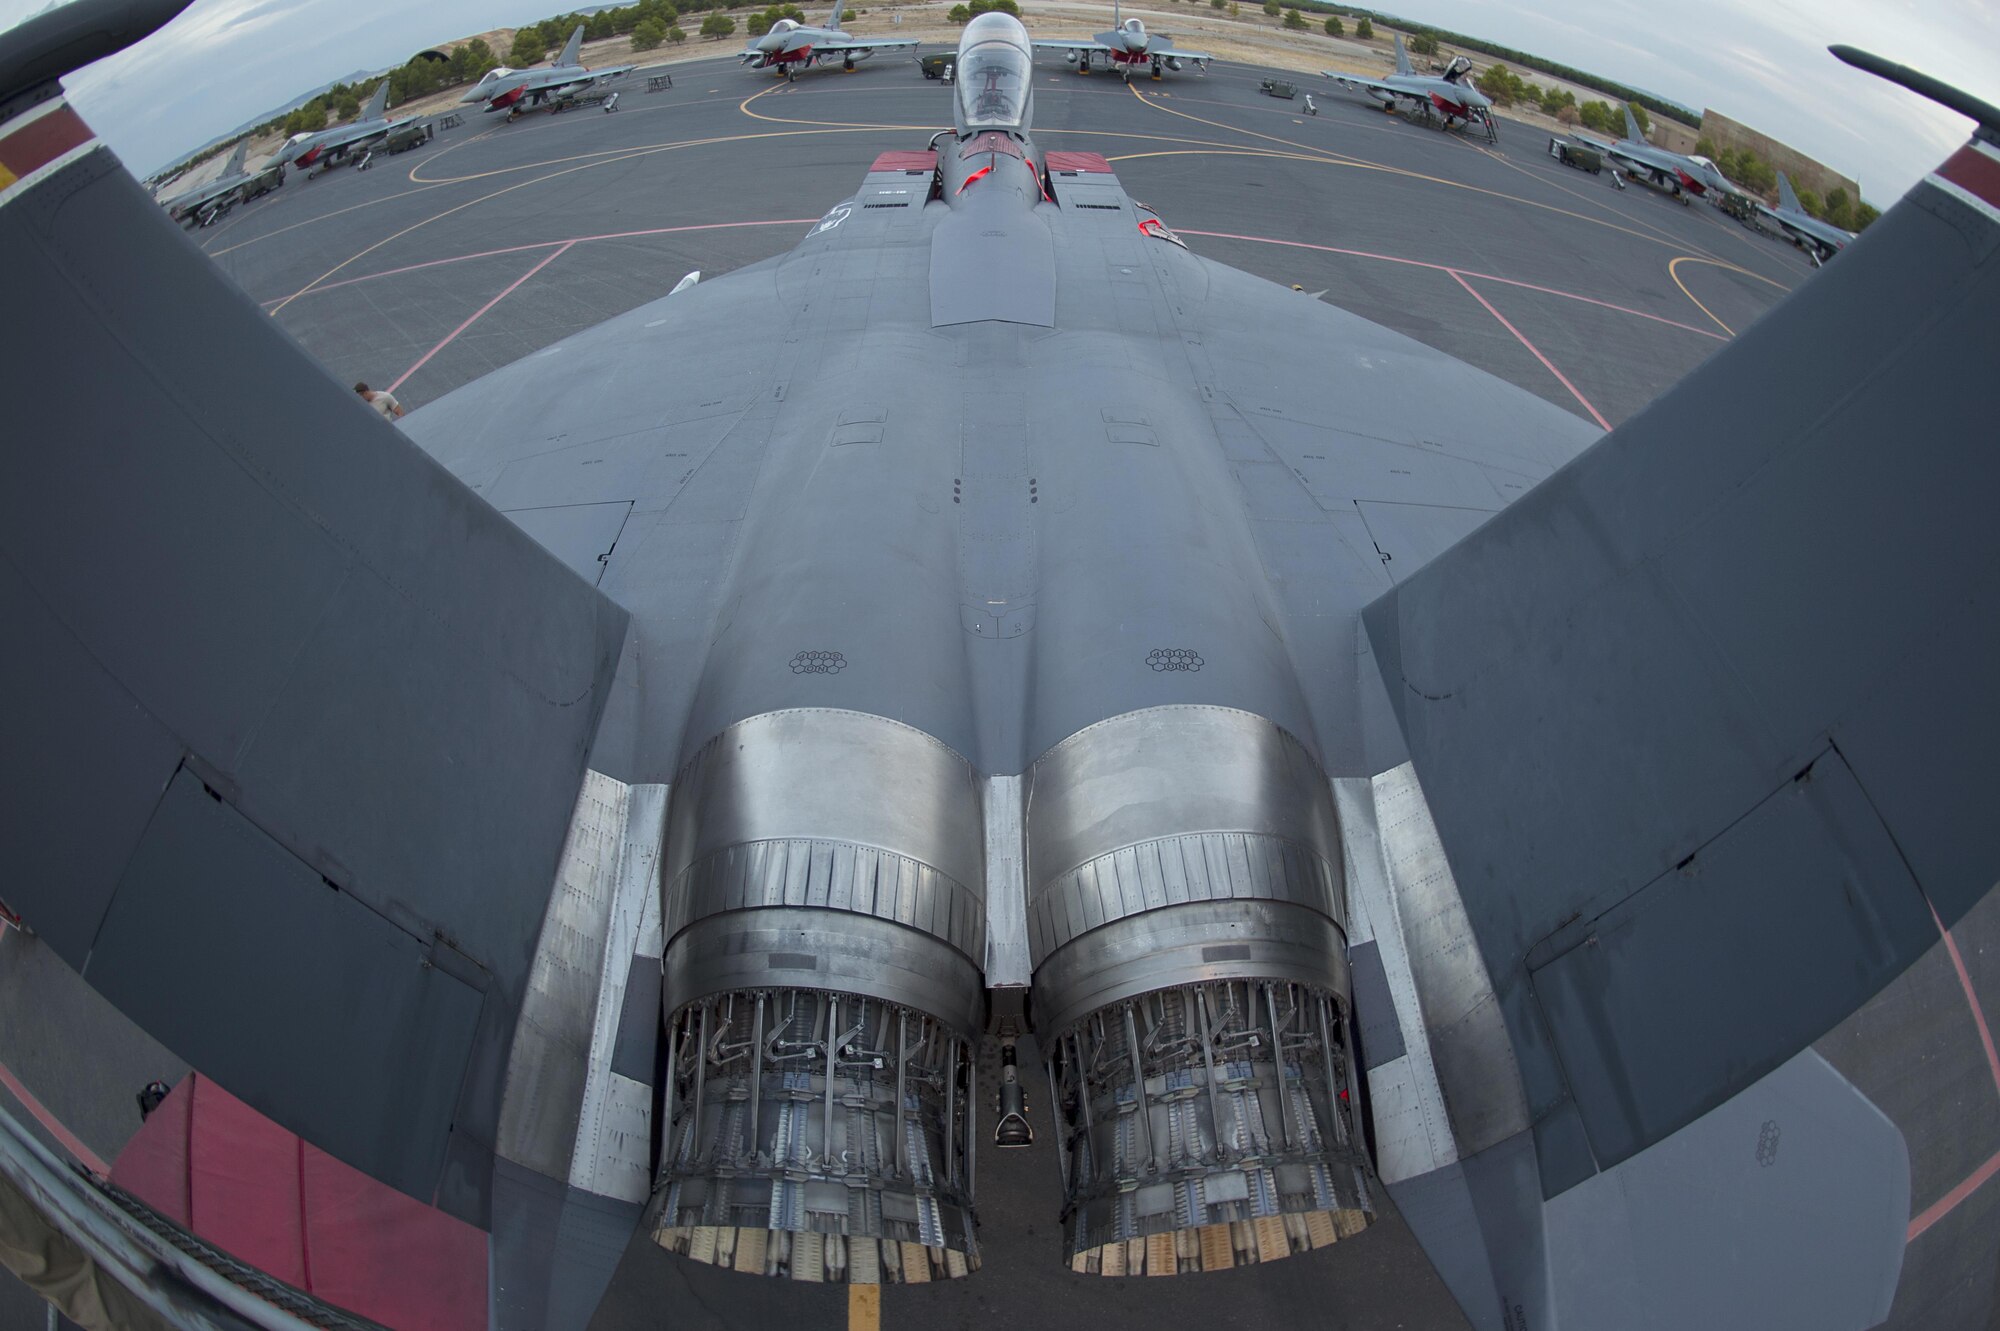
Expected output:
{"points": [[552, 85], [1003, 620], [1127, 46], [1448, 99], [325, 149], [1682, 176], [1819, 238], [206, 202], [791, 46]]}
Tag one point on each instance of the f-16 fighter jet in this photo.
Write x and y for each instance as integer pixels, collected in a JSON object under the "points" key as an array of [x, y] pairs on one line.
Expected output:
{"points": [[561, 80], [1821, 239], [1003, 621], [1126, 47], [1447, 99], [204, 203], [1682, 176], [791, 46], [327, 148]]}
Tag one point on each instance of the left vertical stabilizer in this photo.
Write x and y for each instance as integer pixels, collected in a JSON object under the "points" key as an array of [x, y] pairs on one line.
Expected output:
{"points": [[378, 104]]}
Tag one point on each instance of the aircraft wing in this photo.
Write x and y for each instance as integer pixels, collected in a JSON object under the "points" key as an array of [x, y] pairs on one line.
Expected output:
{"points": [[1165, 46], [1361, 83], [1071, 46], [865, 44]]}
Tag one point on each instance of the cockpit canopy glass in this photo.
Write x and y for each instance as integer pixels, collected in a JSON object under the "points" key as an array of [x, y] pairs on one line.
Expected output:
{"points": [[994, 67]]}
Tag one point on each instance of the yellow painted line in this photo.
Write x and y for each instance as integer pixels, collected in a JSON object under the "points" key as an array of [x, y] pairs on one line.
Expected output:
{"points": [[6, 177], [1673, 264], [864, 1308]]}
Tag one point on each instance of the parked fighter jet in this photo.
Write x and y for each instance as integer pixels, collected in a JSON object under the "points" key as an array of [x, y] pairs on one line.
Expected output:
{"points": [[1127, 45], [559, 81], [327, 148], [1448, 99], [791, 46], [204, 203], [1679, 175], [1004, 613], [1819, 238]]}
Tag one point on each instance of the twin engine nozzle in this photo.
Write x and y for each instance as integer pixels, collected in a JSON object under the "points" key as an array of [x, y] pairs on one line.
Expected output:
{"points": [[826, 916]]}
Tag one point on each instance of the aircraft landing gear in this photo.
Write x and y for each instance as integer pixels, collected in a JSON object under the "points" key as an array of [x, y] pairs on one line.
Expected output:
{"points": [[847, 66]]}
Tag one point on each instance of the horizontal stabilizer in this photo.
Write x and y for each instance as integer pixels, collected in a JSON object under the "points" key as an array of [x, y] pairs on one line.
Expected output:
{"points": [[1706, 719], [296, 720]]}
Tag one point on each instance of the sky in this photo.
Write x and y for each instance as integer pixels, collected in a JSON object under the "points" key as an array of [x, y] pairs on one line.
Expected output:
{"points": [[1762, 62]]}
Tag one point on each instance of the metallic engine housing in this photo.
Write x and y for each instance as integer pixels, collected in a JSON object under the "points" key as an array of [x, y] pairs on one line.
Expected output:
{"points": [[824, 916], [1175, 845], [1188, 924]]}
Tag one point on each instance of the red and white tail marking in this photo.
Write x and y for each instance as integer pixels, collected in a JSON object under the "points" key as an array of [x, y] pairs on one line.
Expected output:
{"points": [[38, 143], [1972, 176]]}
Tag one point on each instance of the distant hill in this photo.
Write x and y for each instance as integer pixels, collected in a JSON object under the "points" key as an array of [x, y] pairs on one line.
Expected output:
{"points": [[359, 76]]}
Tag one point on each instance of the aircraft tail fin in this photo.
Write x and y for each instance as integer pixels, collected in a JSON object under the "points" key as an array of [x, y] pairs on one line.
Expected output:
{"points": [[1808, 702], [572, 49], [378, 103], [1787, 196], [839, 8], [234, 166], [1632, 130], [311, 716], [1402, 57]]}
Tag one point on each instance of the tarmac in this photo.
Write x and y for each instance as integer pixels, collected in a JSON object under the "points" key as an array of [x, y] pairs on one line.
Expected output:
{"points": [[498, 240]]}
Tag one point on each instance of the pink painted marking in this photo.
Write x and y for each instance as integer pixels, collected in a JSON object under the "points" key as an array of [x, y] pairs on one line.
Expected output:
{"points": [[478, 314], [1944, 1205], [70, 1141], [1547, 364], [1447, 268], [1971, 995], [542, 245]]}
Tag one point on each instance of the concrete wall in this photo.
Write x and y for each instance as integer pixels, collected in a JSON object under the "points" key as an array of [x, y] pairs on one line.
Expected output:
{"points": [[1804, 171], [1672, 135]]}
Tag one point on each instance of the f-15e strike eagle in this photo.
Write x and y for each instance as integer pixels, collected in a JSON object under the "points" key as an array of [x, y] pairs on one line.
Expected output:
{"points": [[1448, 99], [1128, 46], [328, 148], [562, 79], [1357, 773], [791, 46]]}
